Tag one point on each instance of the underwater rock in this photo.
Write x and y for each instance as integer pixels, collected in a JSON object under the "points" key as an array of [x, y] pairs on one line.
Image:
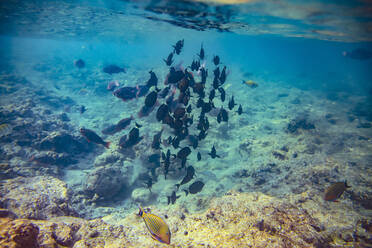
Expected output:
{"points": [[62, 142], [53, 158], [18, 233], [106, 182], [300, 123], [39, 197], [142, 196]]}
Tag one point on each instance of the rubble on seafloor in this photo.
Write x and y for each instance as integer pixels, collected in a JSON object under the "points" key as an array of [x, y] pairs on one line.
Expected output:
{"points": [[234, 220]]}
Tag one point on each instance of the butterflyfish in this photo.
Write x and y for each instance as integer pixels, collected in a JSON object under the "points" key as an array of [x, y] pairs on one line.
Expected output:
{"points": [[158, 229]]}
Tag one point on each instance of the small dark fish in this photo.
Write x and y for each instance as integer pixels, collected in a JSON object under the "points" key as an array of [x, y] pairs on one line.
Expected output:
{"points": [[188, 109], [172, 199], [223, 115], [240, 110], [126, 93], [150, 99], [216, 83], [166, 162], [163, 110], [198, 156], [132, 139], [179, 112], [91, 136], [333, 192], [123, 123], [194, 188], [112, 69], [223, 94], [216, 60], [216, 72], [157, 140], [359, 53], [178, 46], [223, 75], [176, 142], [169, 60], [213, 153], [190, 172], [202, 135], [231, 103], [153, 81], [164, 92], [212, 94], [184, 152], [79, 63], [110, 130], [201, 53], [82, 109]]}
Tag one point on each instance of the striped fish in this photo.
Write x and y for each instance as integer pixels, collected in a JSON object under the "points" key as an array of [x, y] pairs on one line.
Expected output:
{"points": [[5, 129], [158, 229]]}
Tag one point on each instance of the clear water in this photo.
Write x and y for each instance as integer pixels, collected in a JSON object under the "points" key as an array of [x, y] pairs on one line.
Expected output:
{"points": [[292, 49]]}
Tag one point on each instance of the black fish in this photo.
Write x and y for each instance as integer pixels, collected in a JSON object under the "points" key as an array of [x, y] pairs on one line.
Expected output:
{"points": [[175, 76], [179, 112], [109, 130], [223, 115], [188, 109], [156, 140], [204, 75], [190, 172], [153, 81], [213, 153], [166, 162], [184, 152], [164, 92], [216, 83], [91, 136], [112, 69], [132, 139], [216, 72], [231, 103], [178, 46], [198, 156], [123, 123], [150, 99], [176, 142], [212, 94], [194, 188], [216, 60], [79, 63], [163, 110], [201, 54], [202, 135], [82, 109], [223, 94], [169, 60], [223, 75], [240, 110], [172, 199]]}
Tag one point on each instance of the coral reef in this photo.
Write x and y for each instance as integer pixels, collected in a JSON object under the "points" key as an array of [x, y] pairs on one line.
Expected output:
{"points": [[41, 197]]}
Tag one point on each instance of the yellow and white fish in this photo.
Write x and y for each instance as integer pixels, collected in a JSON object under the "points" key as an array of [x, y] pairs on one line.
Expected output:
{"points": [[158, 229]]}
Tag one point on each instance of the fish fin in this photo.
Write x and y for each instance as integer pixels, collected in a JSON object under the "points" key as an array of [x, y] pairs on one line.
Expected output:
{"points": [[178, 197], [178, 185], [140, 213], [218, 156], [186, 191], [107, 144]]}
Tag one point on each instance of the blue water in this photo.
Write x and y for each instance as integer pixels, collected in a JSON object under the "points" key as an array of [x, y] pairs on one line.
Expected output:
{"points": [[281, 45]]}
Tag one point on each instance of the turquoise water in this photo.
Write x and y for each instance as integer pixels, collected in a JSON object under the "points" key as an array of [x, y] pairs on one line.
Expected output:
{"points": [[293, 50]]}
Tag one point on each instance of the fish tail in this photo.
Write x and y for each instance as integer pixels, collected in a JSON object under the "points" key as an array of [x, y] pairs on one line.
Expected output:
{"points": [[107, 144], [186, 191], [178, 185]]}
